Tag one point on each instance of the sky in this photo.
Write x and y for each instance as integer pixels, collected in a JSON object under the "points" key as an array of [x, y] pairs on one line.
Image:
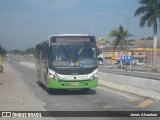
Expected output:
{"points": [[23, 23]]}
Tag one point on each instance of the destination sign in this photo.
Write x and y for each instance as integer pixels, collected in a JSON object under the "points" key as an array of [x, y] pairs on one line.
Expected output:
{"points": [[72, 40]]}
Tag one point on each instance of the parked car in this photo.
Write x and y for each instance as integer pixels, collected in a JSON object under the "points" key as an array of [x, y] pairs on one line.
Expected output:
{"points": [[139, 63]]}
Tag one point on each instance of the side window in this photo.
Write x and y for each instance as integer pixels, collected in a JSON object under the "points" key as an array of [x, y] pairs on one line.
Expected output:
{"points": [[43, 51], [38, 51]]}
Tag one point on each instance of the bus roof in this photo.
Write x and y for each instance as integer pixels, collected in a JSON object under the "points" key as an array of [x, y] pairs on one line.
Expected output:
{"points": [[71, 35]]}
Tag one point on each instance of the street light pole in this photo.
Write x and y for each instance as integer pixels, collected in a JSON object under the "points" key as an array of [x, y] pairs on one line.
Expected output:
{"points": [[128, 21]]}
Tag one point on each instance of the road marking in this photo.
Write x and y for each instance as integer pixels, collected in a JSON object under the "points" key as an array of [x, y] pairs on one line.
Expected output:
{"points": [[145, 103], [14, 69], [127, 96], [131, 100]]}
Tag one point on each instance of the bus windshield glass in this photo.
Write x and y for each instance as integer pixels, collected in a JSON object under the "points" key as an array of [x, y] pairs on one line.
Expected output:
{"points": [[73, 56]]}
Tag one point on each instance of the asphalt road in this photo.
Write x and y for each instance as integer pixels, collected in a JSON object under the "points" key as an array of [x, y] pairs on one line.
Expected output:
{"points": [[99, 99]]}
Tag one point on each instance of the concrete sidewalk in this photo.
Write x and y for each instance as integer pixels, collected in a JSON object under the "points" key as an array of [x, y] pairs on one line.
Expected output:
{"points": [[16, 95]]}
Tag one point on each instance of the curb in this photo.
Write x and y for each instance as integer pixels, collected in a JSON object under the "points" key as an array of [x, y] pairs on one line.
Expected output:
{"points": [[130, 89]]}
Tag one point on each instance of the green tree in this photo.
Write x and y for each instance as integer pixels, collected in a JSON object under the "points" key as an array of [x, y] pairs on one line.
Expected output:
{"points": [[2, 51], [120, 38], [30, 51], [150, 12]]}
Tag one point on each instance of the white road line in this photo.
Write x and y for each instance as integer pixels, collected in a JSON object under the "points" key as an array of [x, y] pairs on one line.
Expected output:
{"points": [[15, 70], [117, 93]]}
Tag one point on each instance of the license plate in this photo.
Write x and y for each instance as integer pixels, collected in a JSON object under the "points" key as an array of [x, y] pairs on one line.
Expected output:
{"points": [[75, 84]]}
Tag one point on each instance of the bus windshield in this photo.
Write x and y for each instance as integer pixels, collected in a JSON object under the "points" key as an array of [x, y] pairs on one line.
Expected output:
{"points": [[73, 56]]}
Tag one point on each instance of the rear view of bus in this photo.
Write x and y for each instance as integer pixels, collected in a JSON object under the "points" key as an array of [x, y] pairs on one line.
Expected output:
{"points": [[67, 61]]}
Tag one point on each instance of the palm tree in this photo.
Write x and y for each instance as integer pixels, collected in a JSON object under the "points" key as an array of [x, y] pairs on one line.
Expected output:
{"points": [[150, 12], [120, 36]]}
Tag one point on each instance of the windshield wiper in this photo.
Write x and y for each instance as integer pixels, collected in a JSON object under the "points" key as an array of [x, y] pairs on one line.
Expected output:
{"points": [[65, 51], [79, 52]]}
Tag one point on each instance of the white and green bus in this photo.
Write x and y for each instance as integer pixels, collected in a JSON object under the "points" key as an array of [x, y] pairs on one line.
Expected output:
{"points": [[67, 61]]}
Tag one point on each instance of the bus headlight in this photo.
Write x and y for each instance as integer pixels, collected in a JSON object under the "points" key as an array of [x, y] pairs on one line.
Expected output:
{"points": [[94, 76], [53, 77]]}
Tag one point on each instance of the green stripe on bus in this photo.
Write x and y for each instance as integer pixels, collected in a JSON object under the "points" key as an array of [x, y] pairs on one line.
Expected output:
{"points": [[72, 84]]}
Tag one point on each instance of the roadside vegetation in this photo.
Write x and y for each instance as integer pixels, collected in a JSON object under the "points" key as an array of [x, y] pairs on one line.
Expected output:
{"points": [[2, 51]]}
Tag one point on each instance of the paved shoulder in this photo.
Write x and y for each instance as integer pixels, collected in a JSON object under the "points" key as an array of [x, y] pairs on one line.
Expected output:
{"points": [[15, 94]]}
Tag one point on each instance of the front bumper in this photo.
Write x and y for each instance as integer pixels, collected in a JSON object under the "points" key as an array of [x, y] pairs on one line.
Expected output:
{"points": [[77, 84]]}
